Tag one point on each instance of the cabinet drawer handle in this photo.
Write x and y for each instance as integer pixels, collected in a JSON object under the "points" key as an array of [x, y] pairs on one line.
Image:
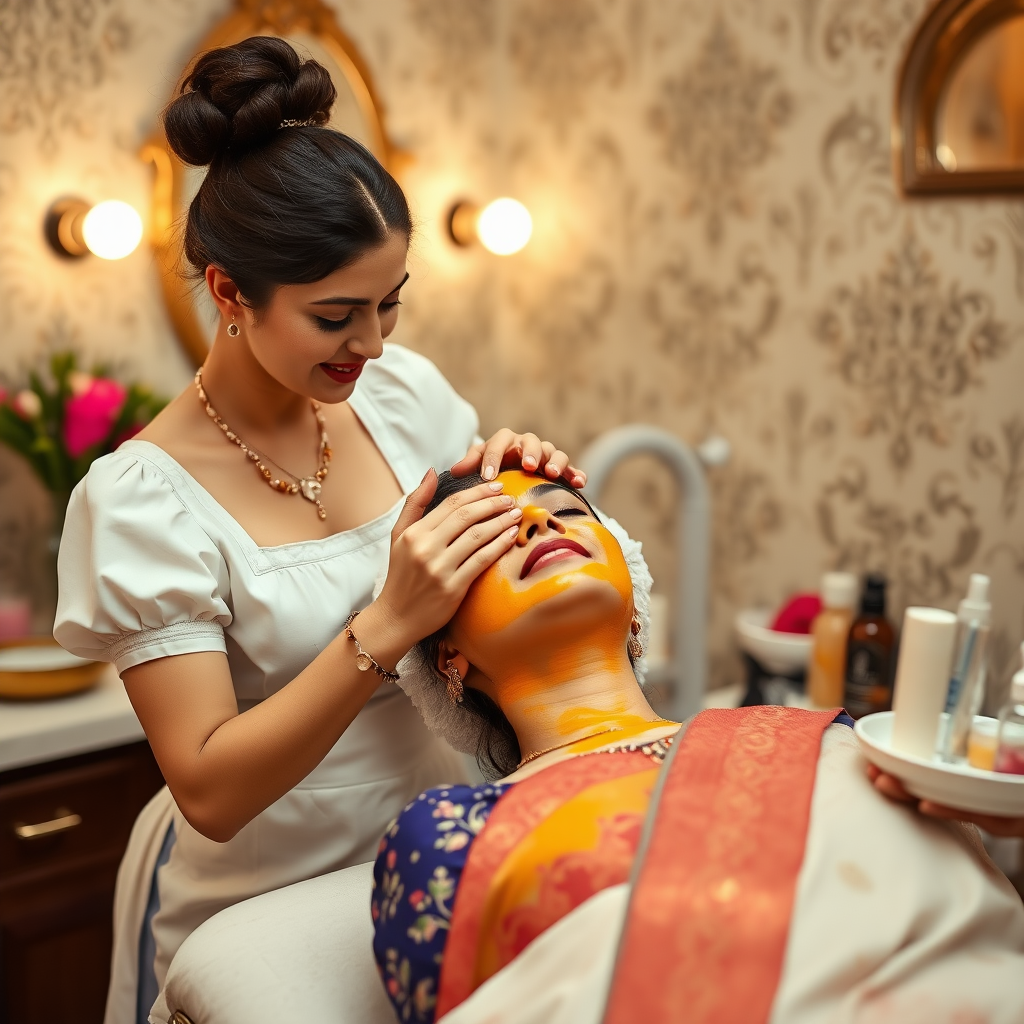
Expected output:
{"points": [[65, 821]]}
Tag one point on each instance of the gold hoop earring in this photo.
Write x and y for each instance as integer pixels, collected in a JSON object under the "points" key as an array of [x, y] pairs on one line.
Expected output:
{"points": [[454, 684], [633, 644], [233, 329]]}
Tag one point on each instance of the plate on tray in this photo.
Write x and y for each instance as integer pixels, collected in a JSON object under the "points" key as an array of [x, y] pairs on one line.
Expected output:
{"points": [[955, 785], [37, 667]]}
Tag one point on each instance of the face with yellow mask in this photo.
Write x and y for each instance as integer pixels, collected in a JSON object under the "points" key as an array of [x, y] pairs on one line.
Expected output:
{"points": [[563, 587]]}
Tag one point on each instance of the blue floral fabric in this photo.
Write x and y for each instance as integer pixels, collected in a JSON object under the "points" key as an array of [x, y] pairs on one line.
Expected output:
{"points": [[418, 867]]}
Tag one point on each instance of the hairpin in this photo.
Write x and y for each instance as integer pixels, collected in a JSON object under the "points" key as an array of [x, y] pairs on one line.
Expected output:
{"points": [[291, 122]]}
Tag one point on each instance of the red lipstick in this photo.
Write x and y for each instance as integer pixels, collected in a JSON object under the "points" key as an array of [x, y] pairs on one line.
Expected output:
{"points": [[343, 373], [571, 547]]}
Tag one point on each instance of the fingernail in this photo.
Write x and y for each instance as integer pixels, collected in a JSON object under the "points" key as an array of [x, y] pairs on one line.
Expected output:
{"points": [[496, 486], [514, 532], [529, 462], [551, 468], [506, 499], [488, 473], [580, 479], [516, 513]]}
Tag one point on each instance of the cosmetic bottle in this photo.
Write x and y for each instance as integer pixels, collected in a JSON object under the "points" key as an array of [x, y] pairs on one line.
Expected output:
{"points": [[922, 677], [869, 649], [830, 629], [967, 682], [1010, 749]]}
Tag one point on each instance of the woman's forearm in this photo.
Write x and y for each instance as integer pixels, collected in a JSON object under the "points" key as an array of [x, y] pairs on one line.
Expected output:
{"points": [[223, 768]]}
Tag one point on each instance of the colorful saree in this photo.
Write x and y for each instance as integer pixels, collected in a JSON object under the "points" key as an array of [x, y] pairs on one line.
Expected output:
{"points": [[769, 882], [713, 885]]}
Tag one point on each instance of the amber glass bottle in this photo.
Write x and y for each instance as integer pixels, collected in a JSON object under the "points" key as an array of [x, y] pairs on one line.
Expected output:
{"points": [[869, 654], [826, 678]]}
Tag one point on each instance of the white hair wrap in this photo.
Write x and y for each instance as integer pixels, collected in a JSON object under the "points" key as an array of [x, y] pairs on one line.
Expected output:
{"points": [[461, 728]]}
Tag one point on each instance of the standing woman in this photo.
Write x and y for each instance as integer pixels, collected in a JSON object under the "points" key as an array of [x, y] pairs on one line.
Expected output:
{"points": [[218, 558]]}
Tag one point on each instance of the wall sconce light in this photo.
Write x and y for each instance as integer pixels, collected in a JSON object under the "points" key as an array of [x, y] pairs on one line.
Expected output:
{"points": [[110, 230], [503, 226]]}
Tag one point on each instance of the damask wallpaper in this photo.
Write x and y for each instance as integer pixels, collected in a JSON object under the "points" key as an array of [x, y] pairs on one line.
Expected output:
{"points": [[719, 249]]}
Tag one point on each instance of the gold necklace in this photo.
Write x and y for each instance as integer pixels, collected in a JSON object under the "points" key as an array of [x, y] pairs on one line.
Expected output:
{"points": [[307, 486], [567, 743]]}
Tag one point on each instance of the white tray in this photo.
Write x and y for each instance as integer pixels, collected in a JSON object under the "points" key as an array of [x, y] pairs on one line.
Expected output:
{"points": [[955, 785]]}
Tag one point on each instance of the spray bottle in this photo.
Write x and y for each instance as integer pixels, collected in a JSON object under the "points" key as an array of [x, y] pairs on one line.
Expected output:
{"points": [[967, 684]]}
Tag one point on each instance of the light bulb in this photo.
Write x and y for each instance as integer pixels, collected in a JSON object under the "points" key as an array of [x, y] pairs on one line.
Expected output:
{"points": [[504, 226], [112, 229]]}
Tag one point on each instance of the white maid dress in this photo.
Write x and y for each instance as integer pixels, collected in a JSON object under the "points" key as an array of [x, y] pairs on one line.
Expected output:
{"points": [[151, 566]]}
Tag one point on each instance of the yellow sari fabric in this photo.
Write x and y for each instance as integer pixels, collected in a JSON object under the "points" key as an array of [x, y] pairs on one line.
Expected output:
{"points": [[551, 842]]}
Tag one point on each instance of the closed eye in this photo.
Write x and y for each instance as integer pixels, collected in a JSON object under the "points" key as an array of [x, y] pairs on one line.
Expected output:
{"points": [[565, 513]]}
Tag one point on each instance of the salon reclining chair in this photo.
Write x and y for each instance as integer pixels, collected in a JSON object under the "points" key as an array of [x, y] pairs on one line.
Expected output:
{"points": [[298, 954]]}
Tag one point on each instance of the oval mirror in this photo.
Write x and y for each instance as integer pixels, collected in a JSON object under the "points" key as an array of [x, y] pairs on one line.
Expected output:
{"points": [[312, 29]]}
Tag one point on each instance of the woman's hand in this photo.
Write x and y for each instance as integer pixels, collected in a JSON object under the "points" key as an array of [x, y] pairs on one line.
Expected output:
{"points": [[991, 823], [507, 447], [434, 559]]}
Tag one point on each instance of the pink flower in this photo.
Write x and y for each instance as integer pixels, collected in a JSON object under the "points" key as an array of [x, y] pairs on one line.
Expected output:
{"points": [[416, 898], [27, 404], [390, 860], [89, 416]]}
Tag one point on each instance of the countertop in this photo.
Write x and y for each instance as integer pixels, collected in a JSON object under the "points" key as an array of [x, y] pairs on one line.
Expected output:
{"points": [[32, 732]]}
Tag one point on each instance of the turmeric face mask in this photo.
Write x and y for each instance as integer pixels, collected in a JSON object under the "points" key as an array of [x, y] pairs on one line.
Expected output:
{"points": [[565, 574]]}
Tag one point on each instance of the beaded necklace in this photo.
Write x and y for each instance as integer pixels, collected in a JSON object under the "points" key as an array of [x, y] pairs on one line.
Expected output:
{"points": [[307, 486]]}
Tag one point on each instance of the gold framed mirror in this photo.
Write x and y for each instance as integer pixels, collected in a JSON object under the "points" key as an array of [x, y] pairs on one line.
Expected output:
{"points": [[958, 124], [312, 29]]}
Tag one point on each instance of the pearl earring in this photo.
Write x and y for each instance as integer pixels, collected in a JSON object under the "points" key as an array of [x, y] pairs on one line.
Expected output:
{"points": [[233, 329]]}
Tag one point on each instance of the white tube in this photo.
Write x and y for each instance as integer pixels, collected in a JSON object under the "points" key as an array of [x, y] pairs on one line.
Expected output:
{"points": [[922, 679]]}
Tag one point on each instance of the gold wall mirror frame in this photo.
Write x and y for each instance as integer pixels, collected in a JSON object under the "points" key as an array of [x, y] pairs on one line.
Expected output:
{"points": [[958, 124], [311, 27]]}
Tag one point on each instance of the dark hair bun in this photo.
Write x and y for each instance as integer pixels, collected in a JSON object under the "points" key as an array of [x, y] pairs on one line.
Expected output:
{"points": [[236, 97]]}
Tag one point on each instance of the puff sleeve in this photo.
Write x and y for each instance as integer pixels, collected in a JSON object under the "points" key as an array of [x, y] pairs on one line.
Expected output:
{"points": [[139, 579]]}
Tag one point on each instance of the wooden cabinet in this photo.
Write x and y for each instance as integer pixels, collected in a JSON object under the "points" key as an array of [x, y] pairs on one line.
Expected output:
{"points": [[63, 829]]}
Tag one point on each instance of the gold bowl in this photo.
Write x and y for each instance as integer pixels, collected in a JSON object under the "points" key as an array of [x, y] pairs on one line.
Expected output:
{"points": [[38, 668]]}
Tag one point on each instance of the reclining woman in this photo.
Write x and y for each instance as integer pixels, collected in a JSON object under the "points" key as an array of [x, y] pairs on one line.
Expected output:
{"points": [[621, 867]]}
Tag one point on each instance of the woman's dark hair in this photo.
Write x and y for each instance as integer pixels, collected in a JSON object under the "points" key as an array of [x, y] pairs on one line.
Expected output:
{"points": [[282, 203], [497, 752]]}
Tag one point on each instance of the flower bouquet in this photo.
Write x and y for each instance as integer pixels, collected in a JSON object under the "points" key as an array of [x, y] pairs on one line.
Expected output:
{"points": [[61, 426]]}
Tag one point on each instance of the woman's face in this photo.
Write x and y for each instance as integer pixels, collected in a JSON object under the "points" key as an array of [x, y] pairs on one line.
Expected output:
{"points": [[315, 338], [564, 578]]}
